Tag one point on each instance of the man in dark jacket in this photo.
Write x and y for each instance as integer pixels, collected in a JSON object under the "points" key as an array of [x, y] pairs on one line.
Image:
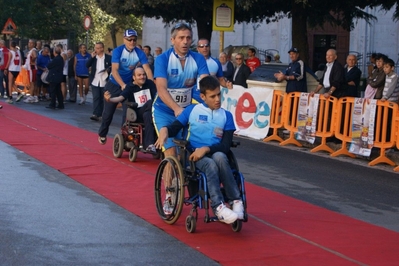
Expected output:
{"points": [[334, 77], [72, 83], [100, 65], [55, 77], [241, 72], [352, 76]]}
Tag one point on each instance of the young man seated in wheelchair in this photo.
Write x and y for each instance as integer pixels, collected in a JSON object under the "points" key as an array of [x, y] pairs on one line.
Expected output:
{"points": [[141, 91], [210, 136]]}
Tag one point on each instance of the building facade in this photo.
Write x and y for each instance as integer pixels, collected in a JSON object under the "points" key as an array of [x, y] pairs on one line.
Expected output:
{"points": [[380, 36]]}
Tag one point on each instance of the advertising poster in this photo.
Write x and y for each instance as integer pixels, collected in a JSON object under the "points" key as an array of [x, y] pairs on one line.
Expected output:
{"points": [[363, 119], [307, 117]]}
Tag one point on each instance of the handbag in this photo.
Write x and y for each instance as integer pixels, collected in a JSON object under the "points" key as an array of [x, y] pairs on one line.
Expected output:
{"points": [[44, 76]]}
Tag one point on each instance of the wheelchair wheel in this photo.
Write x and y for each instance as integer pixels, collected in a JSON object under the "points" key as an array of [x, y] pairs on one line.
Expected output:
{"points": [[236, 226], [133, 154], [191, 224], [118, 145], [169, 190]]}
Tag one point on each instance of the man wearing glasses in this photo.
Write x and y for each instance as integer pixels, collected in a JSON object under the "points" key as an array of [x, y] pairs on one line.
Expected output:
{"points": [[125, 58], [176, 73], [214, 67], [242, 71]]}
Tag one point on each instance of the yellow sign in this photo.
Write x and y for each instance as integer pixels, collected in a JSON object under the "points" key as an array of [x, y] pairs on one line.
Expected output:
{"points": [[223, 15]]}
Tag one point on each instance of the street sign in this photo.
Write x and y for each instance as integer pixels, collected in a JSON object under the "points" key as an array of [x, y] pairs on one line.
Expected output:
{"points": [[9, 27], [86, 22]]}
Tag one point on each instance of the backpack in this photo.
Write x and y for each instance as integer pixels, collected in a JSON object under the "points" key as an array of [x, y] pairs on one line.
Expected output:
{"points": [[1, 57]]}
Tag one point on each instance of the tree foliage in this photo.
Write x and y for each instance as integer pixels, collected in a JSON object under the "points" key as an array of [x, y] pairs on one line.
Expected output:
{"points": [[51, 19]]}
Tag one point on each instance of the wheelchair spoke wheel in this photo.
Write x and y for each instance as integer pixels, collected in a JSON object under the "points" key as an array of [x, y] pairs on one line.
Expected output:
{"points": [[169, 190], [118, 145], [191, 224], [132, 154], [236, 226]]}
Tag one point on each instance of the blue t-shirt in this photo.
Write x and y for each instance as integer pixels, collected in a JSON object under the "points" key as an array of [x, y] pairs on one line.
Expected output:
{"points": [[206, 126], [215, 69], [42, 61], [180, 81], [127, 61]]}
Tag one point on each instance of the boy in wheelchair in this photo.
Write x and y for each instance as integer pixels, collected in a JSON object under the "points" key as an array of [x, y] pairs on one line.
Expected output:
{"points": [[210, 136], [141, 91]]}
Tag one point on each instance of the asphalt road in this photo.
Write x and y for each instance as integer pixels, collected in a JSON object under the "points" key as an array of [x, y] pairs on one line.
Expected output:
{"points": [[342, 184]]}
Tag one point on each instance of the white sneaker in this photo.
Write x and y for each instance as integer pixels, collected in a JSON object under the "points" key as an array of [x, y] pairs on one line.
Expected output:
{"points": [[226, 215], [238, 208], [35, 99], [5, 96], [29, 99], [168, 205], [82, 101]]}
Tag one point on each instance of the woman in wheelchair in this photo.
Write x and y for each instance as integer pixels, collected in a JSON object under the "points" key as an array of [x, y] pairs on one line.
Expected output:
{"points": [[210, 134], [142, 92]]}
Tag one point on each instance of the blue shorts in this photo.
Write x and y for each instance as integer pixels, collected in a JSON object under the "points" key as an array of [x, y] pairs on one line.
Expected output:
{"points": [[162, 119]]}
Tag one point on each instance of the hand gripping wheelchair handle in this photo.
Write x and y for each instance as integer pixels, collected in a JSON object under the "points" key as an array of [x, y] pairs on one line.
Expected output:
{"points": [[132, 105]]}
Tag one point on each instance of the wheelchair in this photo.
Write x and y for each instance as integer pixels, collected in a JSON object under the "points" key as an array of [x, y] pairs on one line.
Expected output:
{"points": [[131, 137], [188, 186]]}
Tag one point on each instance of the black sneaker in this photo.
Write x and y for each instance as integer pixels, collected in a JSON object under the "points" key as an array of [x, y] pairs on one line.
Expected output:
{"points": [[102, 140], [20, 96]]}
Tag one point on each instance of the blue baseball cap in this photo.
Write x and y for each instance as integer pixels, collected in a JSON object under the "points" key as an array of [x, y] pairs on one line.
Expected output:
{"points": [[130, 33]]}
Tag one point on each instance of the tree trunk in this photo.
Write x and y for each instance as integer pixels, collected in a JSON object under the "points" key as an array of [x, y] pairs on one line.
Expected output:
{"points": [[204, 27], [113, 35], [299, 30]]}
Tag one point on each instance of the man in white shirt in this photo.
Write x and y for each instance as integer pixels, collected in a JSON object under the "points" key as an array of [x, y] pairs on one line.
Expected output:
{"points": [[100, 64]]}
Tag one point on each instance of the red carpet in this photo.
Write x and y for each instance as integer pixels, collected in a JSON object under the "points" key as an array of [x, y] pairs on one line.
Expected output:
{"points": [[281, 230]]}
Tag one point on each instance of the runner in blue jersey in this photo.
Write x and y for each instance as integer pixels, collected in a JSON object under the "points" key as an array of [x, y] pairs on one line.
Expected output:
{"points": [[124, 60], [176, 73], [214, 67], [210, 135]]}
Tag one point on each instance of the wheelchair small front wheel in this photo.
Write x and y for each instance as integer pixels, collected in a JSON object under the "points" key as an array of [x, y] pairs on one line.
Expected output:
{"points": [[169, 189], [118, 145], [191, 224], [132, 154], [236, 226]]}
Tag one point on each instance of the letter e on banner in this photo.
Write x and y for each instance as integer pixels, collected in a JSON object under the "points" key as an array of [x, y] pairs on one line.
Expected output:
{"points": [[245, 104]]}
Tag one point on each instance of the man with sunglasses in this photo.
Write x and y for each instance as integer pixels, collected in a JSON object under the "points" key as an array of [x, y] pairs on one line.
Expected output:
{"points": [[214, 67], [241, 72], [125, 58]]}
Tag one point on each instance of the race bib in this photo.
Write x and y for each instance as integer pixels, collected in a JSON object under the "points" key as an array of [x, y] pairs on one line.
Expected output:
{"points": [[141, 97], [181, 96]]}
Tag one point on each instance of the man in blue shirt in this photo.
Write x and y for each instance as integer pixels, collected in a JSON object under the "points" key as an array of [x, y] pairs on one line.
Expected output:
{"points": [[125, 58], [214, 67], [210, 135], [295, 74], [176, 73]]}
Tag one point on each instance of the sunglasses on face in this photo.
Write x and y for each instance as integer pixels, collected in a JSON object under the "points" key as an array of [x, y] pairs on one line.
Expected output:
{"points": [[238, 58], [203, 45], [131, 40]]}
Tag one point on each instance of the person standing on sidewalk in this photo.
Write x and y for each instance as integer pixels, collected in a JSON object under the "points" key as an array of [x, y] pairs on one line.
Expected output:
{"points": [[82, 72], [4, 63], [125, 58], [100, 65], [72, 83], [55, 77]]}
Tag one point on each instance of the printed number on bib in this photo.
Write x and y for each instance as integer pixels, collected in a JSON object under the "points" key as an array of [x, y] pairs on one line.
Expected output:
{"points": [[141, 97], [181, 96]]}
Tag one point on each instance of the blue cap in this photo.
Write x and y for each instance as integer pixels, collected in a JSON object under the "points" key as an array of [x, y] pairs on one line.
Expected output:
{"points": [[130, 33]]}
